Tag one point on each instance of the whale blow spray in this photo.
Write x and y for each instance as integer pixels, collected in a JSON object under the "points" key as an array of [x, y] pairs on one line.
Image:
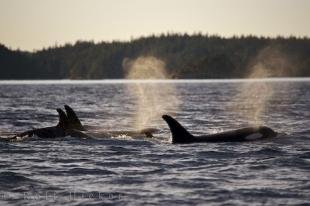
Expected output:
{"points": [[253, 97], [152, 98]]}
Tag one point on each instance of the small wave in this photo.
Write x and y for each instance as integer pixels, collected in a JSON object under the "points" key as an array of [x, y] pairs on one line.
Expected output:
{"points": [[267, 192], [216, 154], [259, 167], [305, 155], [122, 149], [77, 171], [11, 177], [267, 151], [292, 162], [84, 171], [12, 180]]}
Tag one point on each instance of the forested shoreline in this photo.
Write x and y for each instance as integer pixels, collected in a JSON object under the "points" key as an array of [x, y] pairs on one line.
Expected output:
{"points": [[185, 56]]}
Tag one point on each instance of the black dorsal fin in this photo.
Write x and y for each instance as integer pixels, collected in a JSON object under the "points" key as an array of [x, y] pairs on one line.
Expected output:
{"points": [[73, 120], [63, 119], [179, 133]]}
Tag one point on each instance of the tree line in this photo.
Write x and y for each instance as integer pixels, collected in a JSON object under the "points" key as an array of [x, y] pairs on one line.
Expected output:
{"points": [[186, 56]]}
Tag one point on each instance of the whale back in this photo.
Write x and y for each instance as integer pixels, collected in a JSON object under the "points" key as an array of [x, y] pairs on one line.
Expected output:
{"points": [[267, 132], [73, 120], [181, 135], [178, 132]]}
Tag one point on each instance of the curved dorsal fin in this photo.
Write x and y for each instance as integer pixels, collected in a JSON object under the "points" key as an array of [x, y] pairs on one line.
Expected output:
{"points": [[63, 119], [73, 120], [179, 133]]}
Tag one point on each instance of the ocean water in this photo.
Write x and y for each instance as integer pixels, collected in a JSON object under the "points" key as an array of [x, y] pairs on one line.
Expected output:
{"points": [[126, 170]]}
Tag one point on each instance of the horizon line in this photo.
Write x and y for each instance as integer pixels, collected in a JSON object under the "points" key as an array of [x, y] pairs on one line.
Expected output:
{"points": [[126, 81]]}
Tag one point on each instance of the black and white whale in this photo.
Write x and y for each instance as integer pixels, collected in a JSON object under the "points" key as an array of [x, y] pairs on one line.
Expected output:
{"points": [[181, 135], [49, 132], [67, 121], [70, 125]]}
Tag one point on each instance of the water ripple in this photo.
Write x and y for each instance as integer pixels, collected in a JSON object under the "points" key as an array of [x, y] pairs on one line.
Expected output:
{"points": [[124, 170]]}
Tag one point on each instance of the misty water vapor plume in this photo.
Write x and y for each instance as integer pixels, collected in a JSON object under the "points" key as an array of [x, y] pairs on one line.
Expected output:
{"points": [[153, 99], [252, 100]]}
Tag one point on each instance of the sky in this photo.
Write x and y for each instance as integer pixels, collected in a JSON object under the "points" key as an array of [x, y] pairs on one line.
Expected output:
{"points": [[34, 24]]}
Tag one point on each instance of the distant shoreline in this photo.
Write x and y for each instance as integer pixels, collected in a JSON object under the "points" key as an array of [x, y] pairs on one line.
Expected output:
{"points": [[178, 56], [128, 81]]}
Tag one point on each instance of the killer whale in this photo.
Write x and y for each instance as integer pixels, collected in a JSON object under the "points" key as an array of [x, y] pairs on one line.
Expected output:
{"points": [[49, 132], [67, 121], [70, 125], [181, 136]]}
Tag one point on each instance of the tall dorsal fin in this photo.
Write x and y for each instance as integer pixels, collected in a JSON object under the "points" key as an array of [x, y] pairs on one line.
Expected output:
{"points": [[63, 119], [179, 133], [73, 120]]}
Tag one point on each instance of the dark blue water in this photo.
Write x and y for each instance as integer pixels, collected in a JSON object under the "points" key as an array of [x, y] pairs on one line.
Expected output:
{"points": [[136, 171]]}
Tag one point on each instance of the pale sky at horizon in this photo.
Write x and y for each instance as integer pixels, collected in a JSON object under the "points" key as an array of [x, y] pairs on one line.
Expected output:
{"points": [[34, 24]]}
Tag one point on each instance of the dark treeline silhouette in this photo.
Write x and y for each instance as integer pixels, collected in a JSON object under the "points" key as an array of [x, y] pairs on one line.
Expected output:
{"points": [[195, 56]]}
